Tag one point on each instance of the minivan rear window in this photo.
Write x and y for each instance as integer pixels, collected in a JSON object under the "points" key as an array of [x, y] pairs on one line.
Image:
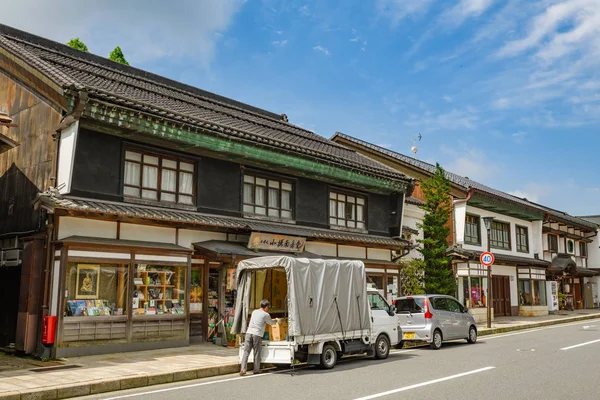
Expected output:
{"points": [[415, 305]]}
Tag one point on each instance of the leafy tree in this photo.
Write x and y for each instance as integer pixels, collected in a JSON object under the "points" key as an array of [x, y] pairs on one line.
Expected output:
{"points": [[411, 277], [438, 274], [78, 44], [117, 55]]}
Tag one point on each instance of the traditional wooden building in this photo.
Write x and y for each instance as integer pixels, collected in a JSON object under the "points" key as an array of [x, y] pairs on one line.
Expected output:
{"points": [[133, 196], [519, 272]]}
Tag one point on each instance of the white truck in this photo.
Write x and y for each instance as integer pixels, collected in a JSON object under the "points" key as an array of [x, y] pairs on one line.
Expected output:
{"points": [[330, 310]]}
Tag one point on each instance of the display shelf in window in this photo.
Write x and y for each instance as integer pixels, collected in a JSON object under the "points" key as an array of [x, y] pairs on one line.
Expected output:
{"points": [[158, 290]]}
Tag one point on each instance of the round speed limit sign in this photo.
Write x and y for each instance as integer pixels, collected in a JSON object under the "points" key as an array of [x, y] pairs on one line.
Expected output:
{"points": [[486, 258]]}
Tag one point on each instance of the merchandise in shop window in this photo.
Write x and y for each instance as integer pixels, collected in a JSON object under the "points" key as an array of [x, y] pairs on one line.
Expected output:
{"points": [[159, 290]]}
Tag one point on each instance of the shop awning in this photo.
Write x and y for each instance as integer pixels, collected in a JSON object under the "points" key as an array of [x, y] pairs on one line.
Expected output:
{"points": [[124, 243], [135, 212], [221, 249]]}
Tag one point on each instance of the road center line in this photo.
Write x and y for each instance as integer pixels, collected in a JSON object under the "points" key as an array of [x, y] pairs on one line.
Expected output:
{"points": [[418, 385], [581, 344]]}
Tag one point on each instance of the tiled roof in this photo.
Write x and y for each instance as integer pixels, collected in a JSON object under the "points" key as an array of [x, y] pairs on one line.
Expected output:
{"points": [[467, 183], [415, 201], [500, 258], [210, 221], [137, 89]]}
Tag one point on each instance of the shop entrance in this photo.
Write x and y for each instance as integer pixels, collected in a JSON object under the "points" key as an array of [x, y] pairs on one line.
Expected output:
{"points": [[501, 295]]}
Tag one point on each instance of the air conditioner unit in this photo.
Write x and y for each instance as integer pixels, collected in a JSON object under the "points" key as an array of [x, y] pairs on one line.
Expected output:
{"points": [[570, 246], [10, 258]]}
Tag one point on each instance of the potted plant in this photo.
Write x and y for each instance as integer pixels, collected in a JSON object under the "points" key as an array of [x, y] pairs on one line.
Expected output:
{"points": [[230, 337], [562, 299]]}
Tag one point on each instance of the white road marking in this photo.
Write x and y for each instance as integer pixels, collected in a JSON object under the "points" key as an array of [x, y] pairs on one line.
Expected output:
{"points": [[498, 336], [418, 385], [580, 344]]}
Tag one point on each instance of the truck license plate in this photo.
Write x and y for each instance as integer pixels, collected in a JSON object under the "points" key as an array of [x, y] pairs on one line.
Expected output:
{"points": [[409, 335]]}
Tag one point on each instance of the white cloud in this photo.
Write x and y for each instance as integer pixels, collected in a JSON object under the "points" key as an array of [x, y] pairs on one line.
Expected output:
{"points": [[146, 33], [470, 162], [354, 39], [454, 120], [397, 10], [280, 43], [448, 99], [525, 195], [384, 145], [519, 137], [465, 9], [322, 50], [304, 10], [279, 32]]}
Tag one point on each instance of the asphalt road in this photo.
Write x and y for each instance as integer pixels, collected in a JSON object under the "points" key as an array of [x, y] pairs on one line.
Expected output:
{"points": [[557, 362]]}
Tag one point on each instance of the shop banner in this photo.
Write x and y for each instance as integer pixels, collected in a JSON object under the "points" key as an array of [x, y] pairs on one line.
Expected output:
{"points": [[268, 241]]}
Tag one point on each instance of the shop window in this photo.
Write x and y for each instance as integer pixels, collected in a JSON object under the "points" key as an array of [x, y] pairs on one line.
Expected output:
{"points": [[95, 290], [347, 210], [570, 246], [500, 235], [532, 292], [157, 178], [472, 230], [158, 290], [196, 290], [553, 243], [268, 197], [522, 239], [474, 291], [583, 249]]}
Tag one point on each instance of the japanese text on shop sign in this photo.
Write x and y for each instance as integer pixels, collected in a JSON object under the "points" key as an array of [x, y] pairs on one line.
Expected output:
{"points": [[266, 241]]}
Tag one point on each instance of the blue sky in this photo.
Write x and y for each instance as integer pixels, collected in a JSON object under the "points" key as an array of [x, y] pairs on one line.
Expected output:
{"points": [[506, 92]]}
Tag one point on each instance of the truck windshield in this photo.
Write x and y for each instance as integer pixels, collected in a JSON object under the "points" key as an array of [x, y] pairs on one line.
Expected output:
{"points": [[415, 305]]}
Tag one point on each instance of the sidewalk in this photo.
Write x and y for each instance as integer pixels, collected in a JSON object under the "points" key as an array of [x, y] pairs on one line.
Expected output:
{"points": [[80, 376]]}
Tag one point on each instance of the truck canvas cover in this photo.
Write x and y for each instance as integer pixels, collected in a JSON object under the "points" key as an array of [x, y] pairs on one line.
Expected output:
{"points": [[324, 296]]}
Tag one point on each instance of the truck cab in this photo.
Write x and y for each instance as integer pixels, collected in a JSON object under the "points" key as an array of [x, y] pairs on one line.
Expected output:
{"points": [[383, 317]]}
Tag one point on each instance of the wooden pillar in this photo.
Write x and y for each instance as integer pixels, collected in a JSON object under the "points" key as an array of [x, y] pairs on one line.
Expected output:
{"points": [[121, 295], [205, 271]]}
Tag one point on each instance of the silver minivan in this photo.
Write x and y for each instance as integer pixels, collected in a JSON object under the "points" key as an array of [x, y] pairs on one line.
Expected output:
{"points": [[434, 318]]}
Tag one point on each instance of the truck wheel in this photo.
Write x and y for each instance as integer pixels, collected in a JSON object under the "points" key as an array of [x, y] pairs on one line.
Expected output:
{"points": [[382, 347], [436, 343], [328, 357]]}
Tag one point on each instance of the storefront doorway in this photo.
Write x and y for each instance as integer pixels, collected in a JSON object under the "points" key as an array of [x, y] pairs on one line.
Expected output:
{"points": [[501, 295]]}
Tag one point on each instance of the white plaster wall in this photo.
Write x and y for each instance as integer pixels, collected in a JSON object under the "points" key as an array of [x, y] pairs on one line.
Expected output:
{"points": [[187, 237], [322, 249], [502, 218], [73, 226], [537, 237], [460, 213], [512, 272], [352, 252], [413, 215], [66, 157], [594, 253], [379, 254], [147, 233]]}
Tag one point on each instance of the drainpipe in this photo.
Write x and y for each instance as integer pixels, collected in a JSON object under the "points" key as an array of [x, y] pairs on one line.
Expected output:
{"points": [[49, 241], [469, 195]]}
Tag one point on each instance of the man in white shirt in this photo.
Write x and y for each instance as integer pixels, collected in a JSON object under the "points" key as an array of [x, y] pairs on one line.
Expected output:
{"points": [[254, 335]]}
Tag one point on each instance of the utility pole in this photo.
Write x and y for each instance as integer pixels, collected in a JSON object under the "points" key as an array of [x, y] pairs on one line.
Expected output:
{"points": [[488, 260]]}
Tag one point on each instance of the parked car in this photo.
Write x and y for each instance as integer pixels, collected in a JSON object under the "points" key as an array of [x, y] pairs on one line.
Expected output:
{"points": [[434, 319]]}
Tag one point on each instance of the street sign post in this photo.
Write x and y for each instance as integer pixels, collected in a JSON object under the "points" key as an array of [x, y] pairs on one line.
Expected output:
{"points": [[487, 258]]}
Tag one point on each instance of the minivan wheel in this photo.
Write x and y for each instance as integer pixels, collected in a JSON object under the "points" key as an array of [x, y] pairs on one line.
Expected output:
{"points": [[472, 335], [436, 343], [382, 347], [328, 357]]}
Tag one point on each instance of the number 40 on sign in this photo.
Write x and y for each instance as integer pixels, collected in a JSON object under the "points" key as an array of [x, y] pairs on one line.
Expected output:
{"points": [[486, 258]]}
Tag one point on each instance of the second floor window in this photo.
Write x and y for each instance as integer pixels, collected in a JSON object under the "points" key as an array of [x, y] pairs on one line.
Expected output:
{"points": [[157, 178], [553, 243], [472, 230], [583, 249], [269, 197], [500, 235], [522, 239], [347, 210]]}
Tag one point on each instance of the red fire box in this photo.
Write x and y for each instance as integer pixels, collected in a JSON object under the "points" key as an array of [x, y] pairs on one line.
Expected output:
{"points": [[49, 332]]}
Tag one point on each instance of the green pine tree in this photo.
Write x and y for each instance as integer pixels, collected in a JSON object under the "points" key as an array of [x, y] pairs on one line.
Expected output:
{"points": [[78, 44], [411, 277], [117, 55], [438, 277]]}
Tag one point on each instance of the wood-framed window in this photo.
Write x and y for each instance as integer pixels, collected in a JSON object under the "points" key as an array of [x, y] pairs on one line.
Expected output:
{"points": [[500, 235], [268, 196], [347, 210], [155, 177], [583, 249], [553, 243], [472, 229], [522, 239]]}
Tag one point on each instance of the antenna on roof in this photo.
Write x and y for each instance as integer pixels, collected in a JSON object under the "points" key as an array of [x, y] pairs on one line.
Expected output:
{"points": [[414, 149]]}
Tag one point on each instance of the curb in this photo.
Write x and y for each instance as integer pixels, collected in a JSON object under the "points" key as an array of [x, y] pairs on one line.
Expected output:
{"points": [[494, 331], [110, 385]]}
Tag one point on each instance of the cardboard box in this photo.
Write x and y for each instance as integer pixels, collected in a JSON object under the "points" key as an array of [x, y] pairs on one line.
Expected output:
{"points": [[279, 331]]}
